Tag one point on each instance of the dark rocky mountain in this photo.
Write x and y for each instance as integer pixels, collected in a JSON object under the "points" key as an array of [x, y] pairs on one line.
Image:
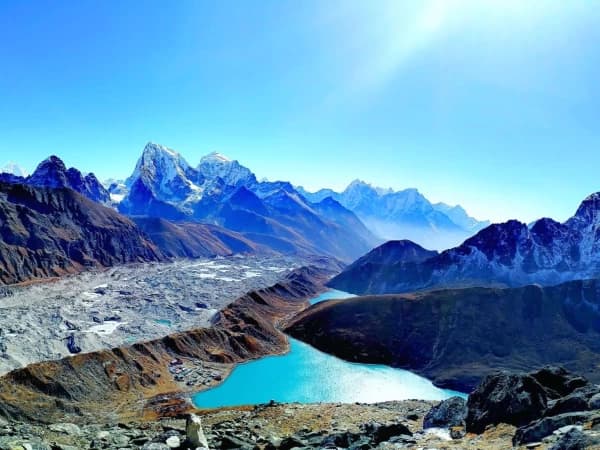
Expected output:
{"points": [[372, 271], [506, 254], [195, 240], [225, 193], [53, 173], [457, 336], [405, 214], [48, 232]]}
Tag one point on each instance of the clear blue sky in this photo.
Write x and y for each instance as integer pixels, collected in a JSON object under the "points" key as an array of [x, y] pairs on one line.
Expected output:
{"points": [[494, 105]]}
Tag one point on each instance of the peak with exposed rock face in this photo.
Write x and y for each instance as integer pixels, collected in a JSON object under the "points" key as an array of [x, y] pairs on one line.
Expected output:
{"points": [[53, 173]]}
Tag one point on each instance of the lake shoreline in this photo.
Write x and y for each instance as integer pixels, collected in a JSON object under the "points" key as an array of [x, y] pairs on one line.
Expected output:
{"points": [[305, 374]]}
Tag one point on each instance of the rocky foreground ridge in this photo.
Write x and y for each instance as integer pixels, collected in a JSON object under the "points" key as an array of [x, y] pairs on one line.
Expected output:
{"points": [[549, 409]]}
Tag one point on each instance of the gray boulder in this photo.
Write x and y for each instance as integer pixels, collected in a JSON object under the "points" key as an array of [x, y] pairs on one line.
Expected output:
{"points": [[539, 429], [575, 440], [449, 413]]}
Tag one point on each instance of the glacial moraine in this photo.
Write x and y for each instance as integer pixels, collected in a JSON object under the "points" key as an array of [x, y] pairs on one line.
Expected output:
{"points": [[125, 304]]}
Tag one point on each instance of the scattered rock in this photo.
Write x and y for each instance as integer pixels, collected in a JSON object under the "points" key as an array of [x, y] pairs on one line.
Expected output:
{"points": [[173, 442], [574, 439], [155, 446], [449, 413], [539, 429], [381, 433], [290, 443], [66, 428], [103, 435], [232, 442], [594, 402], [457, 432], [72, 346], [194, 433]]}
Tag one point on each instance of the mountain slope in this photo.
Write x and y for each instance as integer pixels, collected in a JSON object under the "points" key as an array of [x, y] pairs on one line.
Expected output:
{"points": [[405, 214], [373, 271], [506, 254], [194, 240], [455, 337], [225, 193], [49, 232]]}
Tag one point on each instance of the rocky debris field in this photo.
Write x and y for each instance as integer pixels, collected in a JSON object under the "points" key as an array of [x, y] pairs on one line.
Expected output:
{"points": [[125, 304], [391, 425]]}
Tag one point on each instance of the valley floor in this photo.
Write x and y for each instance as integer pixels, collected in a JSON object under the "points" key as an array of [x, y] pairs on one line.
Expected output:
{"points": [[125, 304]]}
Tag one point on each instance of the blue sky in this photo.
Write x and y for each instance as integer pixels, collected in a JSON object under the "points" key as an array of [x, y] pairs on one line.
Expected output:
{"points": [[494, 105]]}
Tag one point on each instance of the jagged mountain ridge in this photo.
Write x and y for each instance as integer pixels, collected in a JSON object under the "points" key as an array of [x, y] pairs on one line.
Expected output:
{"points": [[505, 254], [52, 173], [404, 214], [223, 192]]}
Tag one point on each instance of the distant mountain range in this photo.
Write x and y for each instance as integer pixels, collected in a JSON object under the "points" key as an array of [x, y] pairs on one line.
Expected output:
{"points": [[507, 254], [222, 192], [405, 214], [174, 210]]}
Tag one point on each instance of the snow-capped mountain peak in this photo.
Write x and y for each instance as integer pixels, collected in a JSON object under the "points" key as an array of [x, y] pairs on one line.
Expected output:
{"points": [[14, 169], [166, 173], [230, 171], [215, 157], [589, 210], [155, 155]]}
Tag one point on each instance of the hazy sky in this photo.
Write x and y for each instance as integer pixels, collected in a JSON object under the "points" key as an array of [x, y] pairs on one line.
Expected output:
{"points": [[491, 104]]}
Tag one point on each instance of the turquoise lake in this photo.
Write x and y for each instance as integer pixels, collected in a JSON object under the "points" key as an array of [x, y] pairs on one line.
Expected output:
{"points": [[306, 375]]}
